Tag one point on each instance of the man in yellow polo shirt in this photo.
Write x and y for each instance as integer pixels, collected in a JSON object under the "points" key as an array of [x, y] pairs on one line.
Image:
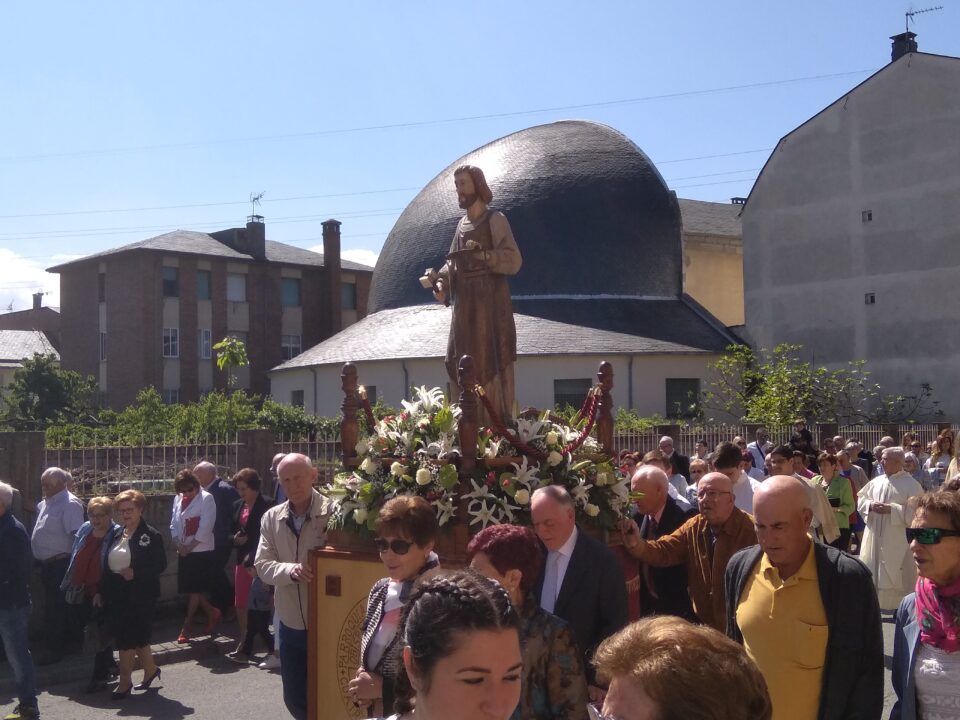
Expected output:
{"points": [[806, 613]]}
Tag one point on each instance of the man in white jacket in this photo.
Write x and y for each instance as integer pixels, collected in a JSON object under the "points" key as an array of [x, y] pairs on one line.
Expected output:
{"points": [[287, 534]]}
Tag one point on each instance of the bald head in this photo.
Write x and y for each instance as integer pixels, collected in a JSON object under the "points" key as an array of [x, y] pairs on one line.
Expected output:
{"points": [[782, 515], [652, 482], [297, 476], [715, 494]]}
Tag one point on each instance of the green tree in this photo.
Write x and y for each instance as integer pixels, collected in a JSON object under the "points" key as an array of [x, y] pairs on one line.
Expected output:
{"points": [[231, 354], [43, 394]]}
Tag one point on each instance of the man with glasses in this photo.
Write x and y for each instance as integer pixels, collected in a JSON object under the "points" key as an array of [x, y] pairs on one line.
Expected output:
{"points": [[886, 504], [703, 544], [806, 614], [287, 534]]}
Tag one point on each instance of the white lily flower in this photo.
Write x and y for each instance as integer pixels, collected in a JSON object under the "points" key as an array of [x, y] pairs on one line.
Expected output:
{"points": [[482, 514], [480, 490], [529, 430], [581, 493], [525, 472], [444, 509]]}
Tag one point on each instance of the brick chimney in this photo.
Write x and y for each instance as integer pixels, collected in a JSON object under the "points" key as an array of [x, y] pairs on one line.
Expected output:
{"points": [[250, 241], [37, 300], [903, 43], [331, 272]]}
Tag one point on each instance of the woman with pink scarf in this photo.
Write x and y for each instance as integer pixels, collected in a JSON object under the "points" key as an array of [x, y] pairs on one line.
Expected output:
{"points": [[926, 650]]}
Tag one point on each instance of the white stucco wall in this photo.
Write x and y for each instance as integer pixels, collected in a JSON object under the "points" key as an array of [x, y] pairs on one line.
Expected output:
{"points": [[534, 378], [889, 148]]}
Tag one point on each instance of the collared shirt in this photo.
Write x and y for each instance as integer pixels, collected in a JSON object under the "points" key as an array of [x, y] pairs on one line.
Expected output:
{"points": [[785, 632], [58, 519], [743, 491], [565, 551]]}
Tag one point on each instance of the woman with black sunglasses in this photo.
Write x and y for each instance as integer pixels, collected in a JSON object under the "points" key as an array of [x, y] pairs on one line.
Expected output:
{"points": [[406, 528], [926, 646]]}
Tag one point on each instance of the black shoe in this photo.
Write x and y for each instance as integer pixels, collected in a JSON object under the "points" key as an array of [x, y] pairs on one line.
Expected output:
{"points": [[95, 686], [145, 685], [118, 695]]}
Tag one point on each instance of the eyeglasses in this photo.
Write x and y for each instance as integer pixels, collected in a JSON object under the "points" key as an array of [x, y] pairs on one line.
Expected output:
{"points": [[712, 494], [400, 547], [917, 446], [929, 536]]}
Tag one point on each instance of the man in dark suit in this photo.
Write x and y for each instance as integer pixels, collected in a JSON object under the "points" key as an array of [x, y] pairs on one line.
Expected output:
{"points": [[681, 463], [663, 590], [582, 581]]}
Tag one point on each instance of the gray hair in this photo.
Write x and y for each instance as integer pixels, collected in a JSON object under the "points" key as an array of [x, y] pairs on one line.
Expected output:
{"points": [[556, 493], [58, 474], [894, 451], [6, 495], [911, 456]]}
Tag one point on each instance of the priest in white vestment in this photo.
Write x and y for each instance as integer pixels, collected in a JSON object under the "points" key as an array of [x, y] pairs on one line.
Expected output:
{"points": [[886, 504]]}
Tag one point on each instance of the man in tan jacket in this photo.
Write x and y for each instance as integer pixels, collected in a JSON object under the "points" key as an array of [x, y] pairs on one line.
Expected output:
{"points": [[287, 534]]}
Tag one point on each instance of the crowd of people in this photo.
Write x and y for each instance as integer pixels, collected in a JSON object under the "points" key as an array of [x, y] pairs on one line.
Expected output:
{"points": [[745, 582]]}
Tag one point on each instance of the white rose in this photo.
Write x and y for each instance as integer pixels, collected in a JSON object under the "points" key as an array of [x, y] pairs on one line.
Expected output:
{"points": [[591, 510], [522, 497], [361, 447], [397, 469], [603, 478], [368, 466], [424, 477], [554, 458], [424, 423], [360, 516], [552, 438]]}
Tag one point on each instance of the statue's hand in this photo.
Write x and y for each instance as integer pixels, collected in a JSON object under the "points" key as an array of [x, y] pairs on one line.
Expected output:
{"points": [[440, 290], [471, 245]]}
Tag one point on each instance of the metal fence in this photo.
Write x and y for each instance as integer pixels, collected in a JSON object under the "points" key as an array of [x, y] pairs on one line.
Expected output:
{"points": [[324, 450]]}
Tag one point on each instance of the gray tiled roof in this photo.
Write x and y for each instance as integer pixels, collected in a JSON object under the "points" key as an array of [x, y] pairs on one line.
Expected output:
{"points": [[710, 218], [16, 345], [198, 243], [605, 326]]}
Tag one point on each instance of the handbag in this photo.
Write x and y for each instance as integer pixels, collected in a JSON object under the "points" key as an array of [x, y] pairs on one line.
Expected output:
{"points": [[75, 594]]}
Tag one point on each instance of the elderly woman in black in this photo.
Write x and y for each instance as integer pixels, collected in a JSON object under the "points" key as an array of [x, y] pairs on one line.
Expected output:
{"points": [[406, 529], [247, 513], [131, 586]]}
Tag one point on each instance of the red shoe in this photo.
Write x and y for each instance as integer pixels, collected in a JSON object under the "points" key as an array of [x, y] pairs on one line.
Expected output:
{"points": [[213, 620], [183, 638]]}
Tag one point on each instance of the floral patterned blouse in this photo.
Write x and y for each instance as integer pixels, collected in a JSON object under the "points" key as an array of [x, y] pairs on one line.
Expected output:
{"points": [[554, 683]]}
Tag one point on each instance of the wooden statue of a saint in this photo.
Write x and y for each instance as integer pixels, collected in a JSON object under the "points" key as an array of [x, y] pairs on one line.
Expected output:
{"points": [[482, 256]]}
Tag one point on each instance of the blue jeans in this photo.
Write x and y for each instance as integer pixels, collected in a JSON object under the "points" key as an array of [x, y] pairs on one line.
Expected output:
{"points": [[13, 631], [293, 670]]}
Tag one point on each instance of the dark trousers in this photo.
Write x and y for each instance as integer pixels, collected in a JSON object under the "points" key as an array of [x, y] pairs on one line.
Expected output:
{"points": [[293, 670], [258, 623], [221, 594], [842, 542], [62, 633], [86, 614]]}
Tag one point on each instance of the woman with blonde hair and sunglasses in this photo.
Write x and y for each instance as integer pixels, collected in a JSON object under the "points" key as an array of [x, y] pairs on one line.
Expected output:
{"points": [[926, 645]]}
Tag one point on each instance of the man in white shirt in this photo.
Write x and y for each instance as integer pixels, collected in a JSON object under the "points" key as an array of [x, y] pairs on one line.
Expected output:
{"points": [[59, 516], [582, 581], [728, 460], [746, 464], [759, 448]]}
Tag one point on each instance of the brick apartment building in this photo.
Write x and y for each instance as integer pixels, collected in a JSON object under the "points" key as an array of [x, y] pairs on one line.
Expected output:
{"points": [[148, 313]]}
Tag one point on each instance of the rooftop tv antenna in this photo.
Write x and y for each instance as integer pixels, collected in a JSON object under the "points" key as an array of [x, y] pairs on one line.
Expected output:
{"points": [[255, 199], [908, 15]]}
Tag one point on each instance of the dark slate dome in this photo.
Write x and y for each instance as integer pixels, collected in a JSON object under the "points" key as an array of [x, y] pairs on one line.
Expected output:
{"points": [[590, 212]]}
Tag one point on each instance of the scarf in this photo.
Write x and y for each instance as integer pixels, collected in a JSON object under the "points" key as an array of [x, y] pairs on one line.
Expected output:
{"points": [[938, 612]]}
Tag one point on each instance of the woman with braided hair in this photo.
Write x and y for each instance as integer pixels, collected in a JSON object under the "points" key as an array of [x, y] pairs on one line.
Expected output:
{"points": [[460, 651]]}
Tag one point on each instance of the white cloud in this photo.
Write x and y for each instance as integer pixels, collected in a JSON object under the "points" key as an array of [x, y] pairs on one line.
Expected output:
{"points": [[365, 257], [20, 277]]}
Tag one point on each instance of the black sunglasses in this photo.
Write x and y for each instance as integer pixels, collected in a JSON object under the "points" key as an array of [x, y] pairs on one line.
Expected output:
{"points": [[929, 536], [400, 547]]}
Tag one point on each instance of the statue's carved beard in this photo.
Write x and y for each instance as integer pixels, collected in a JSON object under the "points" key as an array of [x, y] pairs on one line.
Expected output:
{"points": [[467, 200]]}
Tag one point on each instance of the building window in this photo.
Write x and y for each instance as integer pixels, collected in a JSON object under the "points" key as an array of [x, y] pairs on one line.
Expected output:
{"points": [[103, 346], [570, 392], [290, 292], [290, 346], [296, 398], [171, 397], [205, 343], [236, 287], [203, 284], [683, 397], [102, 287], [171, 342], [171, 282], [348, 296]]}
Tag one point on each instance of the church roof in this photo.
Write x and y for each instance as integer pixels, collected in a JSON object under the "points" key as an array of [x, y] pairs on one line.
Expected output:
{"points": [[589, 210]]}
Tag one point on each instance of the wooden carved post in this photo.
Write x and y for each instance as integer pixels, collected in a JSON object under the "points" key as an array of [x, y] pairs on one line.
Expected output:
{"points": [[469, 414], [349, 429], [605, 408]]}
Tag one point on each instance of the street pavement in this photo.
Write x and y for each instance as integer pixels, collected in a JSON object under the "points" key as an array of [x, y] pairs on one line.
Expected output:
{"points": [[198, 681]]}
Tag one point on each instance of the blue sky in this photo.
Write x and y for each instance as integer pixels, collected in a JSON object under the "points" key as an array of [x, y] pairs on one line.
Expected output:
{"points": [[123, 120]]}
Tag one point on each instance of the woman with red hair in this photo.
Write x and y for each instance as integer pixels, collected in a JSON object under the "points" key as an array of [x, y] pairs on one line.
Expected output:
{"points": [[554, 683]]}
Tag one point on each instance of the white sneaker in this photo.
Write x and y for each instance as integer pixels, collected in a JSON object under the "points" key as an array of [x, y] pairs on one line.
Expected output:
{"points": [[272, 662]]}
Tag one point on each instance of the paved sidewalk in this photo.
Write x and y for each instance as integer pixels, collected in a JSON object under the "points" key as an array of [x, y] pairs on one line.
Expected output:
{"points": [[166, 650]]}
